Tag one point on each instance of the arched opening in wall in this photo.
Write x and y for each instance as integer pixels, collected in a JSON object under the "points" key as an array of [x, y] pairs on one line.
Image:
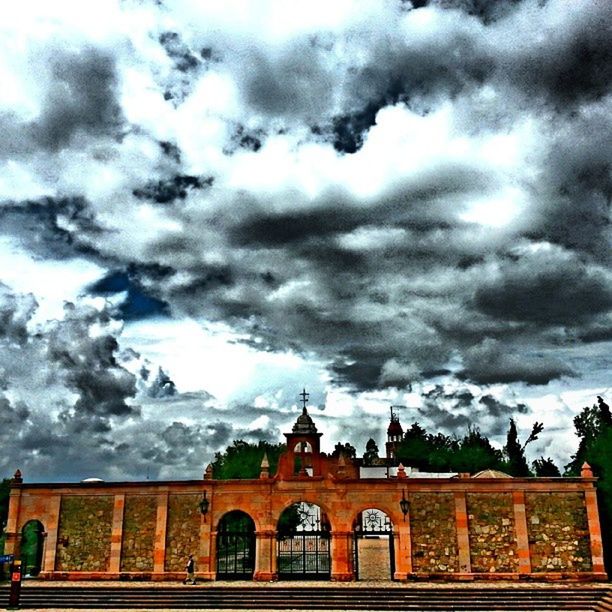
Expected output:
{"points": [[235, 546], [302, 458], [303, 538], [373, 552], [32, 545]]}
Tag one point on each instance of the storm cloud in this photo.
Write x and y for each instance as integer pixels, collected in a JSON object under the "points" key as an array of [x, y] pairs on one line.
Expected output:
{"points": [[199, 216]]}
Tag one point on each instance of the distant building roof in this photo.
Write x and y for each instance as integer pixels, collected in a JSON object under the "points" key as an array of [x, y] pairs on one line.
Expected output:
{"points": [[491, 474]]}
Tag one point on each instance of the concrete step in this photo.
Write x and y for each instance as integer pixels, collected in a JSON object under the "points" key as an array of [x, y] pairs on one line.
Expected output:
{"points": [[313, 598]]}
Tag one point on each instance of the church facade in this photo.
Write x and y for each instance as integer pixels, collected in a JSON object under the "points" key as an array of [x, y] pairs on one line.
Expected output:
{"points": [[317, 517]]}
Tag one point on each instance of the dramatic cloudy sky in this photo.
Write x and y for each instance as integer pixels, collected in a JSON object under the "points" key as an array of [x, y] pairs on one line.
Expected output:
{"points": [[207, 206]]}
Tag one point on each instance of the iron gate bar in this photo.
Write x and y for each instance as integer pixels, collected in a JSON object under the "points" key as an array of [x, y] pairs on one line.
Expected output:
{"points": [[235, 555], [374, 523]]}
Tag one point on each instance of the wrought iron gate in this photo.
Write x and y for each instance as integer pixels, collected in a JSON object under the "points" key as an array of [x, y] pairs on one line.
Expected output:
{"points": [[235, 553], [303, 549], [373, 523]]}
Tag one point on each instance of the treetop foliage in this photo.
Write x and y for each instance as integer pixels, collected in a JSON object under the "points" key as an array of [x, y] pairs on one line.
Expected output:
{"points": [[243, 459]]}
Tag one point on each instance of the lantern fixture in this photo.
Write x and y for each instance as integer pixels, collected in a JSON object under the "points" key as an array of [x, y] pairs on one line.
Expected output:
{"points": [[203, 504], [404, 504]]}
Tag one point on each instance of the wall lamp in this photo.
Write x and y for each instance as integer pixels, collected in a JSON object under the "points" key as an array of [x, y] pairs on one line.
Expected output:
{"points": [[404, 504], [203, 505]]}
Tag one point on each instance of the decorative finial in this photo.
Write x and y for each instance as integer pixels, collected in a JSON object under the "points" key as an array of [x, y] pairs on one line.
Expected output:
{"points": [[586, 471], [208, 472], [401, 471], [304, 397], [17, 476], [264, 471]]}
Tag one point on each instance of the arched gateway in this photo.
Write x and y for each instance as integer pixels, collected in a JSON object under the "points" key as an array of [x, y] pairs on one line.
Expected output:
{"points": [[317, 516], [31, 547], [373, 548], [303, 536], [235, 546]]}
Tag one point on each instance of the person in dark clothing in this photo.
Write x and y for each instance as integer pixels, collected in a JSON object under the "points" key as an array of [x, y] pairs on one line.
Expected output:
{"points": [[190, 569]]}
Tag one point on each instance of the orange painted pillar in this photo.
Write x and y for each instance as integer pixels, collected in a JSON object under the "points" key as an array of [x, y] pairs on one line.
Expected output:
{"points": [[402, 547], [116, 534], [53, 505], [265, 556], [159, 550], [463, 534], [341, 553], [522, 534], [11, 544], [205, 562], [590, 499]]}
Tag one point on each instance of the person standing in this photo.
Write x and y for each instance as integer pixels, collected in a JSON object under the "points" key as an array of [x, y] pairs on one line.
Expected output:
{"points": [[190, 569]]}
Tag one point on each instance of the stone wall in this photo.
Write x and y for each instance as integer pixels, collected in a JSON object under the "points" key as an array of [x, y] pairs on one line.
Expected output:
{"points": [[492, 534], [86, 523], [182, 531], [138, 533], [433, 532], [558, 532]]}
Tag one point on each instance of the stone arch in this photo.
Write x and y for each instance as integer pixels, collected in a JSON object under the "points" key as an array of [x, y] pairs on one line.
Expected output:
{"points": [[32, 546], [302, 446], [327, 517], [373, 545], [303, 535], [235, 546]]}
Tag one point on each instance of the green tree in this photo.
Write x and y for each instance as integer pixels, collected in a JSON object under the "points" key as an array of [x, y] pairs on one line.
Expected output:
{"points": [[545, 467], [243, 459], [476, 453], [371, 452], [347, 449], [515, 451], [414, 448], [594, 428]]}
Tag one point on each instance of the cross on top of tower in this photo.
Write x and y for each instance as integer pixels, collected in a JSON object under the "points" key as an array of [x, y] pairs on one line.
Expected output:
{"points": [[304, 397]]}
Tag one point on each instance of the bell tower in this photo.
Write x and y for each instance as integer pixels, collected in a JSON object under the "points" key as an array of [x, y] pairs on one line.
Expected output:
{"points": [[304, 443], [395, 433]]}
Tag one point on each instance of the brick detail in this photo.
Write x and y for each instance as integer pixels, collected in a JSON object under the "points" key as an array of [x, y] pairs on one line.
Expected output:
{"points": [[85, 525], [558, 532], [139, 533], [590, 497], [463, 538]]}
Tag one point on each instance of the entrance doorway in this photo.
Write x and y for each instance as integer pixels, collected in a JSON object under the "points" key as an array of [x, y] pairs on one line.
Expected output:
{"points": [[373, 551], [235, 546], [32, 544], [303, 537]]}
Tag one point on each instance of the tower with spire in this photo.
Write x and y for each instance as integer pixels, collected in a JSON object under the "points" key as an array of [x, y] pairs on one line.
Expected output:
{"points": [[304, 443], [395, 433]]}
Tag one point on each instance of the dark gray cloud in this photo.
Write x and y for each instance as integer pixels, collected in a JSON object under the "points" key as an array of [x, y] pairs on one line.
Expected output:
{"points": [[82, 97], [454, 410], [41, 226], [547, 290], [493, 362], [89, 365]]}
